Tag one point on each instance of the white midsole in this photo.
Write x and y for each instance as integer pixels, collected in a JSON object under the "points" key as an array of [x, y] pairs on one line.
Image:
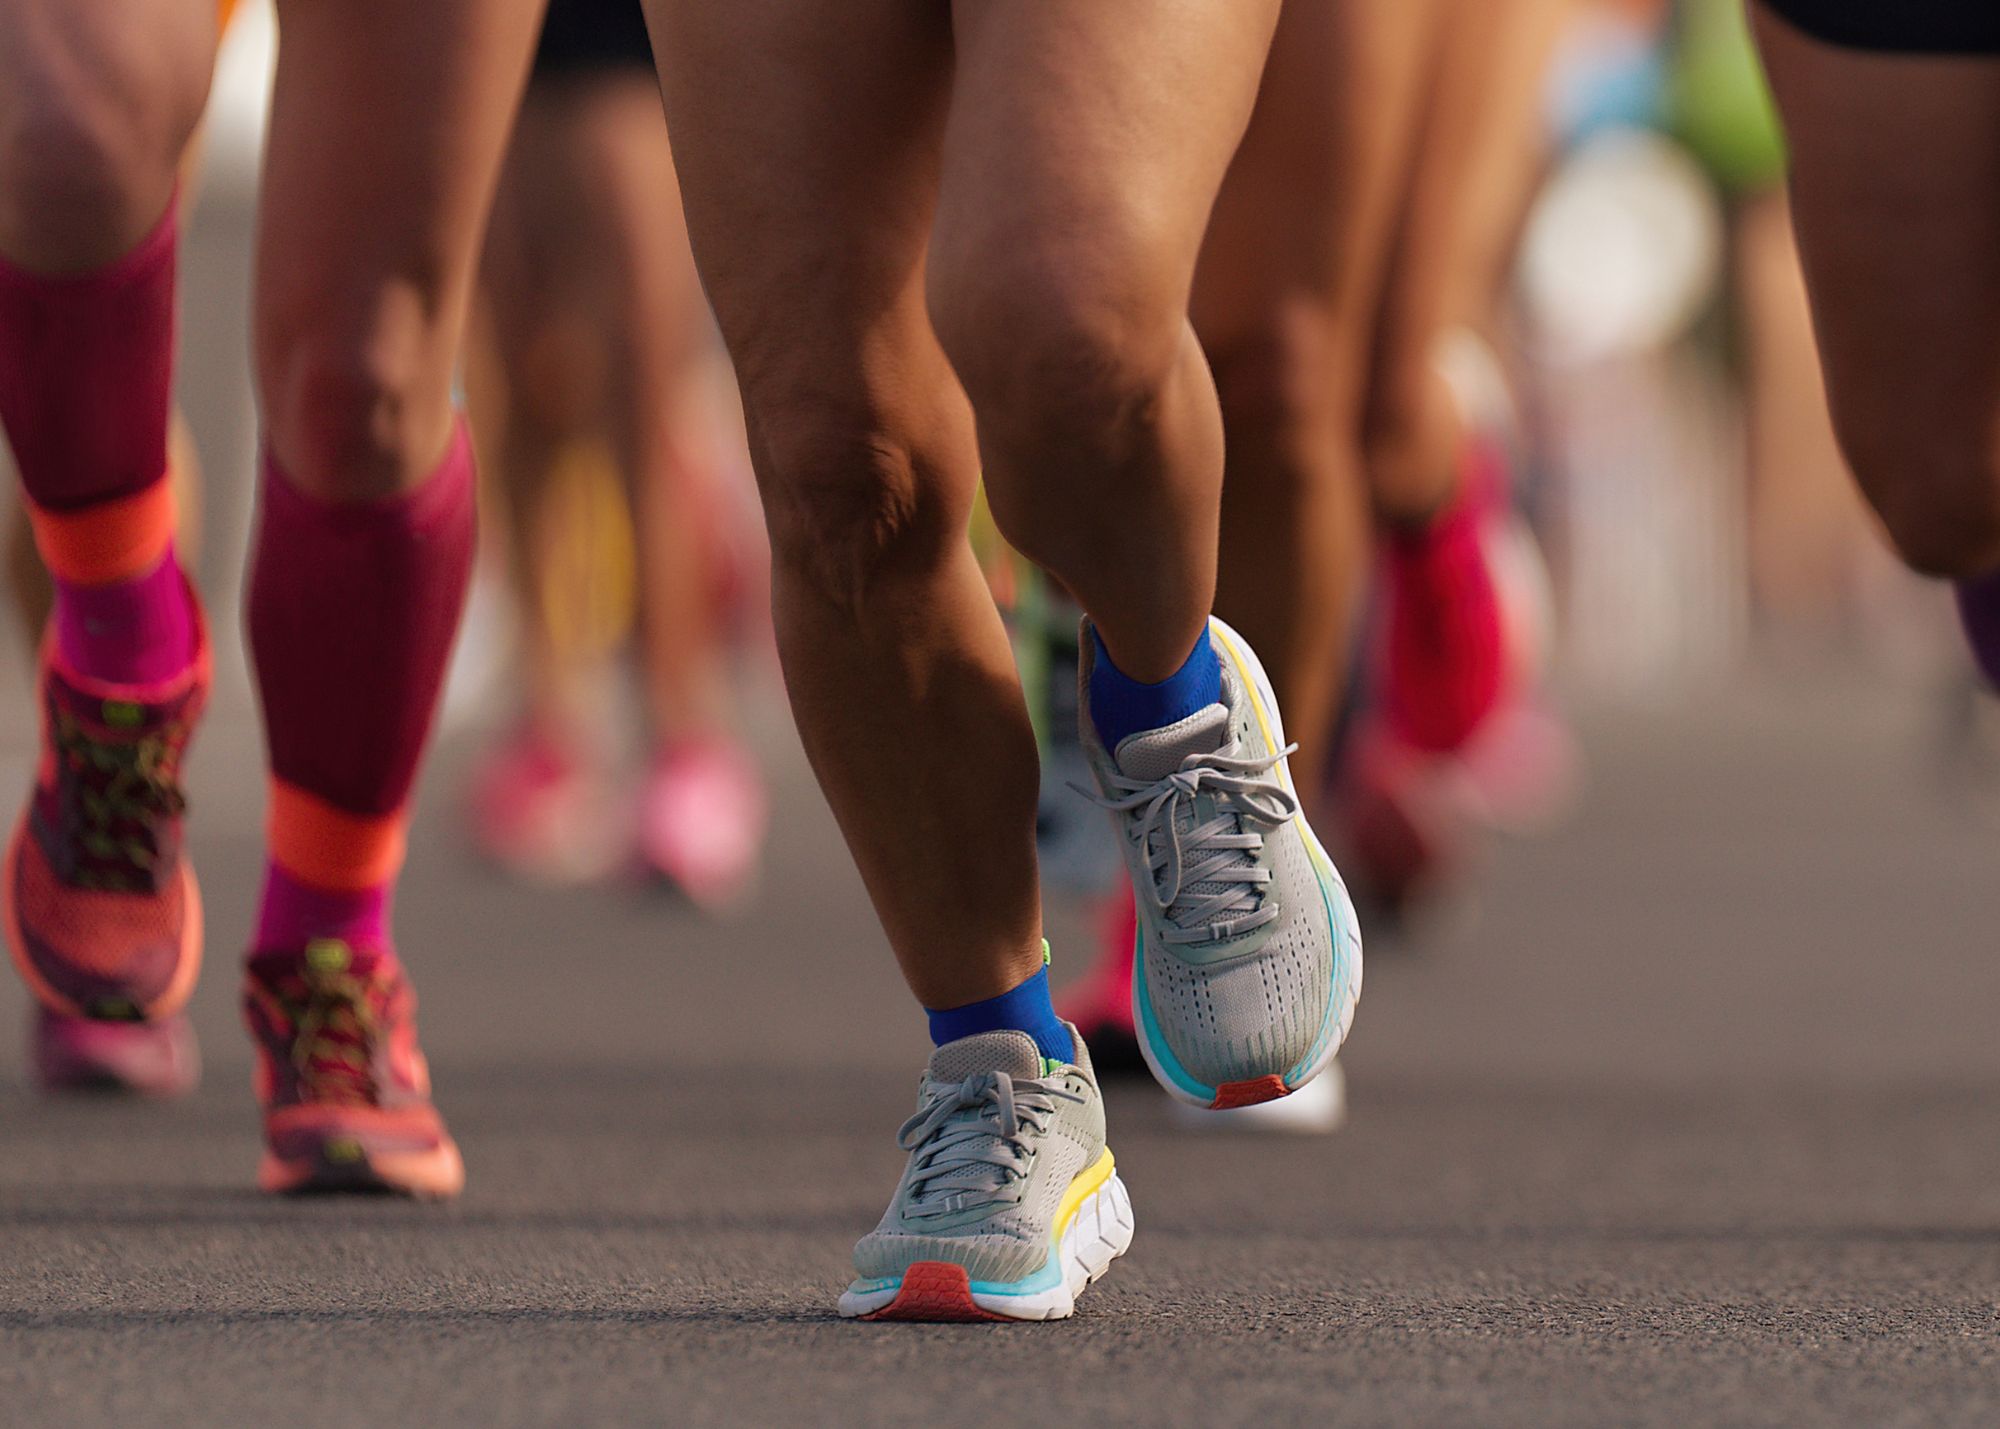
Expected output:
{"points": [[1099, 1232]]}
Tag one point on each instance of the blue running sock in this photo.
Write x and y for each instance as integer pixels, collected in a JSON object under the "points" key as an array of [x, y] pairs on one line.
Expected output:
{"points": [[1979, 613], [1026, 1008], [1121, 707]]}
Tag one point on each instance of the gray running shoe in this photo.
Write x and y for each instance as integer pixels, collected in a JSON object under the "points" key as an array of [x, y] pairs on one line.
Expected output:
{"points": [[1249, 959], [1010, 1204]]}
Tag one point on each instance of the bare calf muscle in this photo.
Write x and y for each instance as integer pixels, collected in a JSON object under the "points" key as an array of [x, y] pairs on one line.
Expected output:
{"points": [[1896, 198], [97, 104]]}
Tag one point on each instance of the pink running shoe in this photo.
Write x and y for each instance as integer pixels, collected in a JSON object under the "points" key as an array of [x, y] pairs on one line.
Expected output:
{"points": [[1446, 664], [702, 816], [535, 811], [82, 1054], [346, 1092], [103, 917], [1100, 1002]]}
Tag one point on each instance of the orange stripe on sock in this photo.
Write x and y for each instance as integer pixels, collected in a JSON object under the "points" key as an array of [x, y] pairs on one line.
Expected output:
{"points": [[330, 848], [109, 542]]}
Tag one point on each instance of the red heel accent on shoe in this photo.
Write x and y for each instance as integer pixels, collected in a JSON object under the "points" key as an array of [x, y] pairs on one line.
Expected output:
{"points": [[1254, 1092], [935, 1292]]}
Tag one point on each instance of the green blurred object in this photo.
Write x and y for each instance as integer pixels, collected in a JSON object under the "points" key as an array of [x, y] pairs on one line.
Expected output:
{"points": [[1718, 103]]}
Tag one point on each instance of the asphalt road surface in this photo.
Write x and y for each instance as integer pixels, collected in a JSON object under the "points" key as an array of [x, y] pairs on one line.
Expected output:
{"points": [[1692, 1120]]}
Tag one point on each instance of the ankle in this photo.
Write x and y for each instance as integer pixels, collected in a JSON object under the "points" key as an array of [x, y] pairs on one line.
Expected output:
{"points": [[1121, 706], [140, 631], [1026, 1007], [292, 913]]}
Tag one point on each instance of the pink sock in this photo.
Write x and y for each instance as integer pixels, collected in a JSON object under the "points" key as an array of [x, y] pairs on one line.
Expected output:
{"points": [[291, 914], [136, 632]]}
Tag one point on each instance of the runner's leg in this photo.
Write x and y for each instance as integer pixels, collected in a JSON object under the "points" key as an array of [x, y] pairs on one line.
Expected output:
{"points": [[1478, 151], [1896, 199], [1285, 301], [897, 665], [1060, 281], [370, 225], [97, 104]]}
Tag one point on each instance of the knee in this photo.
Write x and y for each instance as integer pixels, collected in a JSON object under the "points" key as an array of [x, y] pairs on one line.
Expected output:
{"points": [[357, 393], [1397, 420], [1284, 373], [1058, 355], [858, 511], [81, 157], [1936, 491]]}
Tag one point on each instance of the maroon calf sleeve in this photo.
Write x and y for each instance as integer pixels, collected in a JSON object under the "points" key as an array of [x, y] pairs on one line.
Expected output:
{"points": [[86, 372], [352, 610]]}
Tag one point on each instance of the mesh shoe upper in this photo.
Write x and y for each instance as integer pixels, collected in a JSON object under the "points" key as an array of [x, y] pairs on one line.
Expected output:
{"points": [[1234, 925], [102, 911], [995, 1143], [335, 1030]]}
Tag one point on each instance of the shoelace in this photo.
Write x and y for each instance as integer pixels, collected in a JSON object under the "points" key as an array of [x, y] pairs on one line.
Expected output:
{"points": [[126, 788], [971, 1142], [1221, 851], [334, 1024]]}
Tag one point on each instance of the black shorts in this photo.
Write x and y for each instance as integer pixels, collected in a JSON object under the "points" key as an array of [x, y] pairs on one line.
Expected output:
{"points": [[1934, 27], [583, 36]]}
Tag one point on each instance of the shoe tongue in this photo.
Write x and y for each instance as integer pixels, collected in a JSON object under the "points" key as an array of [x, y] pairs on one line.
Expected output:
{"points": [[1155, 753], [1014, 1053], [327, 956]]}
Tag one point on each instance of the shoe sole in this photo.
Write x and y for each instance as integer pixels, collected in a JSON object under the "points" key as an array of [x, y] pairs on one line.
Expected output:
{"points": [[341, 1165], [1316, 1109], [1179, 1084], [149, 1059], [171, 999], [1093, 1233]]}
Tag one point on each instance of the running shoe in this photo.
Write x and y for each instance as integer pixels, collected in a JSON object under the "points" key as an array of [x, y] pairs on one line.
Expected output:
{"points": [[1405, 835], [1445, 649], [536, 812], [345, 1090], [1317, 1108], [702, 817], [102, 912], [1249, 960], [83, 1054], [1100, 1002], [1415, 812], [1011, 1202]]}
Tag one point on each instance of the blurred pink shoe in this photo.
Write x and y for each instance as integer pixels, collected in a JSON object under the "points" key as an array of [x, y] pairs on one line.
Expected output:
{"points": [[1463, 743], [84, 1054], [535, 811], [1100, 1002], [702, 817], [1445, 661]]}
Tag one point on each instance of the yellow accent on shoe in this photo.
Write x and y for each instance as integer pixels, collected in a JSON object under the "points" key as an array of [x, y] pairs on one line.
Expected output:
{"points": [[1081, 1190]]}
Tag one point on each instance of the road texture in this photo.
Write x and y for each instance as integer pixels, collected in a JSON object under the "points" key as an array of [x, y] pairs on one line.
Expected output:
{"points": [[1692, 1120]]}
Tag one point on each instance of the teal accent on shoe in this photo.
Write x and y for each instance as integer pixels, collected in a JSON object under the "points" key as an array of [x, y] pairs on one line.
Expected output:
{"points": [[1341, 972], [1143, 1001], [1047, 1278]]}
